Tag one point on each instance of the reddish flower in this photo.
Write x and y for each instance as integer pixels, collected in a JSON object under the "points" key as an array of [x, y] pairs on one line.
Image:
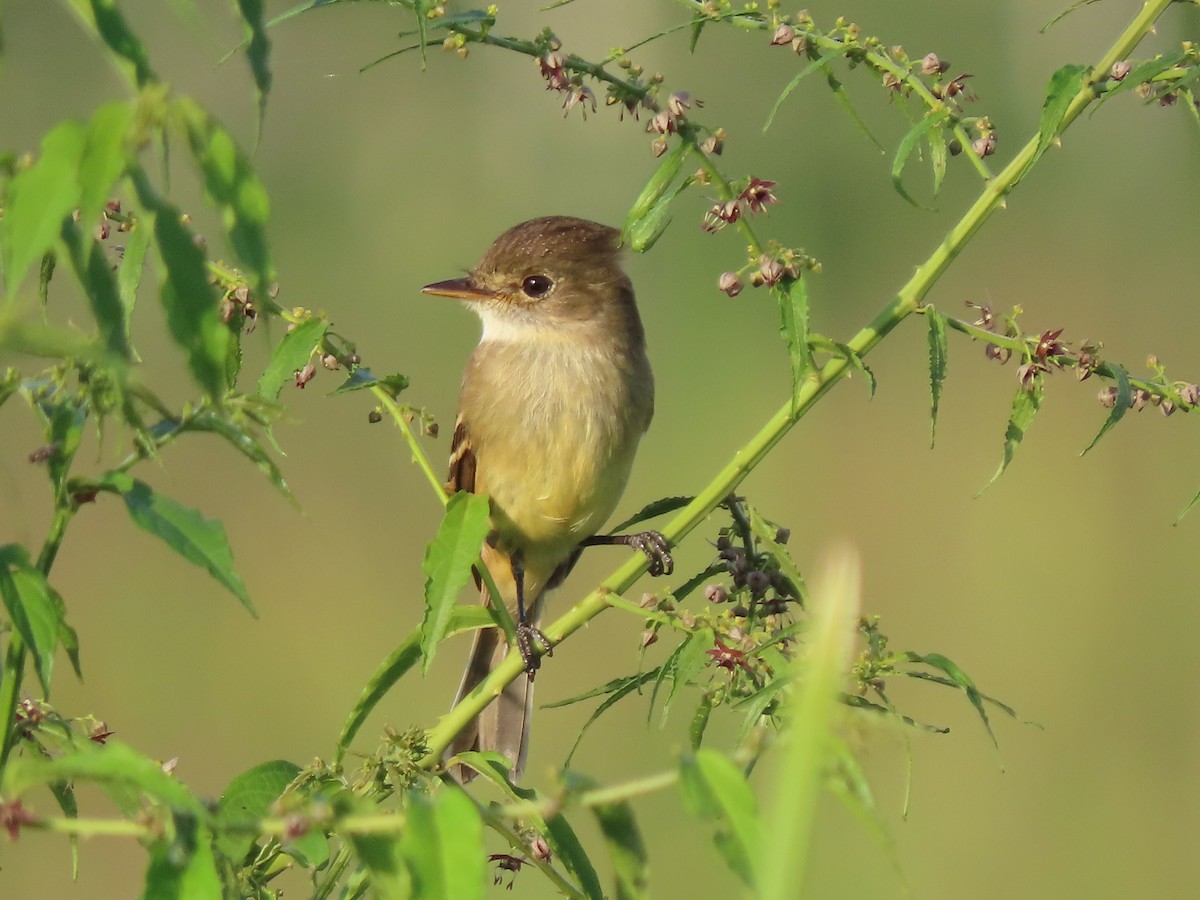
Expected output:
{"points": [[758, 195], [12, 816], [727, 657]]}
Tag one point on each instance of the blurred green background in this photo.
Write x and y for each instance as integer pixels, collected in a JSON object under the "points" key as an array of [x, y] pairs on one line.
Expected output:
{"points": [[1064, 590]]}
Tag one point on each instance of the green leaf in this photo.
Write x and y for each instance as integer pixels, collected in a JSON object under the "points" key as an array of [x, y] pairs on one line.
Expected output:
{"points": [[249, 797], [793, 313], [1064, 85], [362, 378], [114, 763], [960, 679], [232, 186], [39, 200], [197, 539], [132, 265], [626, 848], [817, 63], [187, 296], [183, 868], [236, 433], [31, 606], [447, 565], [810, 739], [1025, 406], [938, 356], [290, 355], [93, 268], [107, 21], [931, 123], [443, 845], [380, 854], [656, 187], [652, 510], [105, 156], [715, 789], [819, 342], [397, 664], [1120, 407], [699, 723], [258, 52], [566, 846]]}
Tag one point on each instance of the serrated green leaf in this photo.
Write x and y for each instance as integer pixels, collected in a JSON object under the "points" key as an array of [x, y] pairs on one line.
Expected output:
{"points": [[183, 867], [197, 539], [1060, 91], [938, 357], [626, 849], [447, 565], [187, 296], [1025, 406], [39, 200], [715, 789], [1120, 407], [793, 328], [933, 121], [233, 187], [290, 355], [249, 797], [31, 609], [443, 845], [258, 52]]}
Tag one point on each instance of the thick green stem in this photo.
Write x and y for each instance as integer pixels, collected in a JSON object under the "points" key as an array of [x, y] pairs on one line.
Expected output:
{"points": [[904, 304]]}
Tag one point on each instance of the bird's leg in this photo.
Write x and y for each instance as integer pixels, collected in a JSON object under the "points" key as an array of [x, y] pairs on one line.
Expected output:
{"points": [[527, 633], [651, 543]]}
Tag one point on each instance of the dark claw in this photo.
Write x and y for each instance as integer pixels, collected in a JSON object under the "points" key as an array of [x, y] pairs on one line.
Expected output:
{"points": [[526, 636], [654, 545]]}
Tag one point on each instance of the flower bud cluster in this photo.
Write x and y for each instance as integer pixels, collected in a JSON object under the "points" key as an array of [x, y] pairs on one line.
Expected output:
{"points": [[759, 587]]}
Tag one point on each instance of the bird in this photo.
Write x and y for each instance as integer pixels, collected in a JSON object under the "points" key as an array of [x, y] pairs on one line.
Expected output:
{"points": [[554, 400]]}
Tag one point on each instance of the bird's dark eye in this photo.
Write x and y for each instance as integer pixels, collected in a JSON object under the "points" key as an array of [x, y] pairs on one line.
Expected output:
{"points": [[536, 286]]}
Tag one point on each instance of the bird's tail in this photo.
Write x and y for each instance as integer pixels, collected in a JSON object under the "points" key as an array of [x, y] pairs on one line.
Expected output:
{"points": [[504, 725]]}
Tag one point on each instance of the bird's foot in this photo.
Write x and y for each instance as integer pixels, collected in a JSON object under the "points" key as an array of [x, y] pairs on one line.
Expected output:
{"points": [[654, 546], [528, 638]]}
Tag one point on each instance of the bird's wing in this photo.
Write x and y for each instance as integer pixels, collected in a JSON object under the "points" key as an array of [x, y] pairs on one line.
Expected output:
{"points": [[462, 460]]}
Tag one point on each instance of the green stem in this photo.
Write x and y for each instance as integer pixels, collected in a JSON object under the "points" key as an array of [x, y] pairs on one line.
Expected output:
{"points": [[904, 304]]}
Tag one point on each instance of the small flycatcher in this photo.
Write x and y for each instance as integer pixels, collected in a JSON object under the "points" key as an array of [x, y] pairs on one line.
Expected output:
{"points": [[554, 401]]}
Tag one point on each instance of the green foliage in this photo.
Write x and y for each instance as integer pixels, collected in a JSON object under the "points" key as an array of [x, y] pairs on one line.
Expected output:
{"points": [[447, 565]]}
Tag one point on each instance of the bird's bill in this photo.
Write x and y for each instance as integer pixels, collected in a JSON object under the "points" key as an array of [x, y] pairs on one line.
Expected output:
{"points": [[459, 288]]}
